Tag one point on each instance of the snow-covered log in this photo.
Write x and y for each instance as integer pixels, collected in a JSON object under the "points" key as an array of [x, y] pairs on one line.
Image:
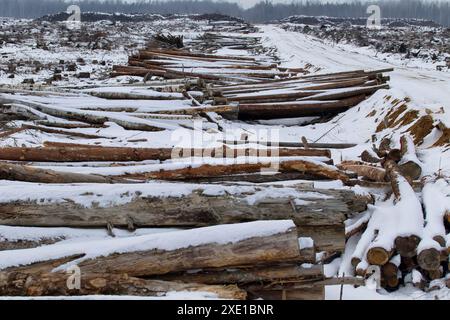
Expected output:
{"points": [[409, 166], [367, 171], [245, 244], [318, 213], [434, 236], [10, 171], [67, 152]]}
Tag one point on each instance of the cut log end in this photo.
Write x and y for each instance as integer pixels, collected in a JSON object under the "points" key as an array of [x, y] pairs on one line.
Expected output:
{"points": [[378, 256]]}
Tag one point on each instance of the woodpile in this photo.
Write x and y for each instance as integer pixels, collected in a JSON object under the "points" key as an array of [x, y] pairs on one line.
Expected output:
{"points": [[411, 241], [100, 157], [251, 88]]}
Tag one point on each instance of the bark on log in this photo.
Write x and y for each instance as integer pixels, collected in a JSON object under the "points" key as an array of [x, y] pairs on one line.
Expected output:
{"points": [[205, 171], [55, 284], [320, 218], [295, 144], [258, 250], [241, 276], [9, 171], [64, 132], [407, 246], [66, 152], [296, 109], [367, 171], [409, 166]]}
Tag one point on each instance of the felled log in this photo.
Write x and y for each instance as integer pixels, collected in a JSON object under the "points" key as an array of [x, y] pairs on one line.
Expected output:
{"points": [[296, 144], [92, 117], [319, 214], [55, 284], [296, 108], [343, 94], [378, 256], [367, 171], [157, 254], [409, 166], [9, 132], [207, 170], [390, 276], [434, 236], [66, 152], [240, 276], [9, 171], [64, 132]]}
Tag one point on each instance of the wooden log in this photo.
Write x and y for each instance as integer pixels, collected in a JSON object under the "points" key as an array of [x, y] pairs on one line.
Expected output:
{"points": [[10, 132], [367, 171], [279, 243], [248, 275], [429, 259], [319, 214], [93, 117], [143, 54], [55, 284], [407, 246], [409, 166], [9, 171], [366, 156], [345, 94], [64, 132], [313, 168], [378, 256], [66, 152], [296, 109], [390, 273], [295, 144]]}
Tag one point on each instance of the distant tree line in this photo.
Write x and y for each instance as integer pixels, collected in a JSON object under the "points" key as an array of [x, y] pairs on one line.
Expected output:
{"points": [[264, 11]]}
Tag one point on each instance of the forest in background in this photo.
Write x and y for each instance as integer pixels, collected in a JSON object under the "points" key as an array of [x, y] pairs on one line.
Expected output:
{"points": [[264, 11]]}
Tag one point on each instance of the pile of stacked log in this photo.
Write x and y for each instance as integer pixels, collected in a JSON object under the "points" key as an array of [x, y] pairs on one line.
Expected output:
{"points": [[77, 167], [250, 260], [82, 167], [410, 244], [249, 88], [301, 96]]}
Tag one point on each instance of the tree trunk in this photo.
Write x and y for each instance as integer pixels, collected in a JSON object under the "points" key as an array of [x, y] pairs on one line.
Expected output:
{"points": [[56, 284], [9, 171], [66, 152]]}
